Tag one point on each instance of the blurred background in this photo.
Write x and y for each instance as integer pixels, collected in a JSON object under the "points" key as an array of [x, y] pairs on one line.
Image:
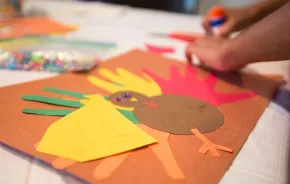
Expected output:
{"points": [[180, 6]]}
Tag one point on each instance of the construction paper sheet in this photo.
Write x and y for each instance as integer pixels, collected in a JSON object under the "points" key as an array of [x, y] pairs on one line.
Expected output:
{"points": [[184, 154], [86, 135], [159, 49], [17, 27]]}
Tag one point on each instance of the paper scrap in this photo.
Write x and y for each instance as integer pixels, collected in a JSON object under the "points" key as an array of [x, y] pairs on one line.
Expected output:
{"points": [[94, 131], [17, 27], [160, 49]]}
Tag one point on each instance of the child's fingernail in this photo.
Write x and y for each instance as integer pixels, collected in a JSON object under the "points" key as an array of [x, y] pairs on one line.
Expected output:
{"points": [[195, 60]]}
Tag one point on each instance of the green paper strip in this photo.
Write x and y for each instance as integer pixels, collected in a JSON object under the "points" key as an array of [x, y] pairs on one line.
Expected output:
{"points": [[48, 112], [129, 115], [65, 92], [54, 101], [63, 112], [106, 97], [118, 84]]}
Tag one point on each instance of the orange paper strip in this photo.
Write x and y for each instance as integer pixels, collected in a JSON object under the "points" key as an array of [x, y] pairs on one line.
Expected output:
{"points": [[18, 27]]}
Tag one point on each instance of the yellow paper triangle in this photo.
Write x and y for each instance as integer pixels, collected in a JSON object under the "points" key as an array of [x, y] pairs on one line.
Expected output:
{"points": [[94, 131]]}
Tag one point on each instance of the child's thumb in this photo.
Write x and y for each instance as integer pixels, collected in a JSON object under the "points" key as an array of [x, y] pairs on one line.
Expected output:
{"points": [[226, 29], [206, 25]]}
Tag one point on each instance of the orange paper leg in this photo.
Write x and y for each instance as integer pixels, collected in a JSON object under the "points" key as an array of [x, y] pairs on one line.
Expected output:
{"points": [[209, 146], [62, 163], [163, 151], [36, 145], [108, 165]]}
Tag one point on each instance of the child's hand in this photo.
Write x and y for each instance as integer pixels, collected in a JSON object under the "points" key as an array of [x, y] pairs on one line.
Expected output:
{"points": [[215, 53], [237, 19]]}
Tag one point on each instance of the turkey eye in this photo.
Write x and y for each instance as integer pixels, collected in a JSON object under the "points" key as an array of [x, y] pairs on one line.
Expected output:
{"points": [[118, 99], [126, 95]]}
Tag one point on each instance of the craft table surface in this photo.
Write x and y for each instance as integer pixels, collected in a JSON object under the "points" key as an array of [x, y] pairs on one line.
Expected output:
{"points": [[263, 158]]}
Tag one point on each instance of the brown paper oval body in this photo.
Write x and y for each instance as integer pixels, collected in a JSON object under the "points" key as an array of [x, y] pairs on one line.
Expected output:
{"points": [[179, 114]]}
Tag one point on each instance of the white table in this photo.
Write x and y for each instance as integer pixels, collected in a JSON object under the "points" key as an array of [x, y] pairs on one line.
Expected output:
{"points": [[262, 160]]}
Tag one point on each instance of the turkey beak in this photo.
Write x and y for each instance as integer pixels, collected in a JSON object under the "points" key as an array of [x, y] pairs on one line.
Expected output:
{"points": [[134, 99]]}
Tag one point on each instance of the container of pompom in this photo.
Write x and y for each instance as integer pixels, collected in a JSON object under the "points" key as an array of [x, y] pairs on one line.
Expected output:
{"points": [[54, 55]]}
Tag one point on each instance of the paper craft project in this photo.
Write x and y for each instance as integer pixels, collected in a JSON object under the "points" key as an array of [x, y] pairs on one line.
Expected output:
{"points": [[18, 27], [196, 117]]}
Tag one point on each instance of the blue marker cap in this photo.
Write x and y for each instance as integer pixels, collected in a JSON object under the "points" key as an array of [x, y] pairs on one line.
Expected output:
{"points": [[218, 22]]}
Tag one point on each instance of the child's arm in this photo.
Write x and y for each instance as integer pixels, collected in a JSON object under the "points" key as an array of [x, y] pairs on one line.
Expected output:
{"points": [[267, 40], [242, 17]]}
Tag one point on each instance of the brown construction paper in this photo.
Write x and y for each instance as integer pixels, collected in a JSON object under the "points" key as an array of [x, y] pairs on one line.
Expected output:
{"points": [[22, 131], [177, 114]]}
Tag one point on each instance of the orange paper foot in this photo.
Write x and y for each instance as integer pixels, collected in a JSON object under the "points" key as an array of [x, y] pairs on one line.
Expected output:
{"points": [[108, 165], [36, 145], [163, 151], [209, 146], [62, 163], [59, 163], [213, 149]]}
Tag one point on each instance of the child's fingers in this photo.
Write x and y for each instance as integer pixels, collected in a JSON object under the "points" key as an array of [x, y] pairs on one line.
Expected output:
{"points": [[226, 29], [206, 25], [190, 54]]}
